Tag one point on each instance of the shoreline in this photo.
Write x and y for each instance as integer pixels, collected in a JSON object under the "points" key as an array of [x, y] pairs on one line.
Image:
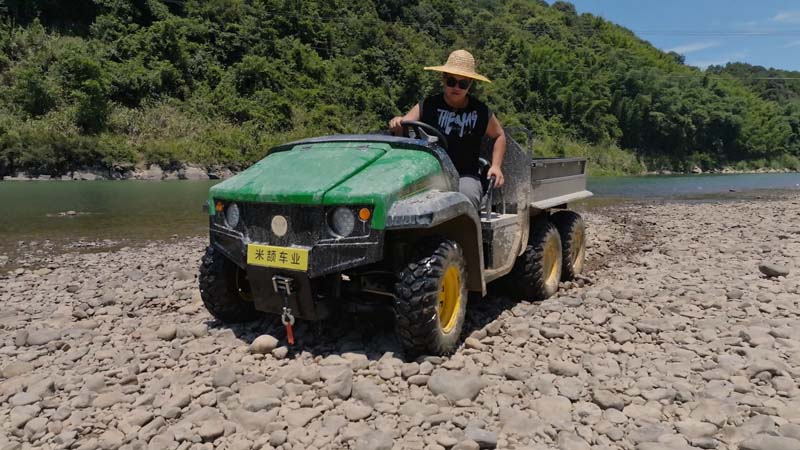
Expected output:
{"points": [[718, 172], [153, 173], [196, 173]]}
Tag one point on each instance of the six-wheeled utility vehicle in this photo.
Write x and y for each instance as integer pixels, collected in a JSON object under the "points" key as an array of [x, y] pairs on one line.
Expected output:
{"points": [[343, 222]]}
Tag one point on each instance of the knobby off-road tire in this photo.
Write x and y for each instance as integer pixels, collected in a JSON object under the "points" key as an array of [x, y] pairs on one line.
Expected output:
{"points": [[225, 290], [537, 271], [572, 230], [430, 301]]}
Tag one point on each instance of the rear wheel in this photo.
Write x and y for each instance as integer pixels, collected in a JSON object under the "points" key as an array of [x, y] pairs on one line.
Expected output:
{"points": [[225, 289], [537, 271], [431, 300], [573, 242]]}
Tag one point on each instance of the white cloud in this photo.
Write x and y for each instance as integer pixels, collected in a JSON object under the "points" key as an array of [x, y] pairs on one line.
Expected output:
{"points": [[792, 44], [693, 47], [787, 17]]}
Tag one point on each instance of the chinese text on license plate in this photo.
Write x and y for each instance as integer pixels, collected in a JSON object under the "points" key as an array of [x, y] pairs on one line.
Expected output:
{"points": [[281, 257]]}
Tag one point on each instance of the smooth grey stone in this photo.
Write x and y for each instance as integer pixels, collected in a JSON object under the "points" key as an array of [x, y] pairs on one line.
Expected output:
{"points": [[224, 377], [375, 440], [455, 385], [341, 384], [769, 442], [484, 438], [42, 336], [773, 270]]}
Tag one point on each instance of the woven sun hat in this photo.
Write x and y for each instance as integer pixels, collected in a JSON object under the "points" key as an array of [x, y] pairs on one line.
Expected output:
{"points": [[461, 63]]}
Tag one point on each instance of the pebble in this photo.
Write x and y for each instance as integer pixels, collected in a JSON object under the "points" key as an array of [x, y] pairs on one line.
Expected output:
{"points": [[455, 385], [280, 352], [355, 412], [108, 399], [467, 444], [564, 368], [773, 270], [42, 336], [24, 398], [368, 392], [167, 332], [409, 369], [770, 442], [264, 344], [211, 430], [340, 385], [571, 441], [374, 440], [16, 368], [485, 439], [224, 377], [607, 399], [301, 417], [278, 438]]}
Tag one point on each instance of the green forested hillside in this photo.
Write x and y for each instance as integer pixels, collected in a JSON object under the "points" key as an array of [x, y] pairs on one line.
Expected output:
{"points": [[113, 83], [781, 86]]}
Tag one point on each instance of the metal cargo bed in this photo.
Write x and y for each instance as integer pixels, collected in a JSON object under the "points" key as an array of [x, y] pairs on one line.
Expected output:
{"points": [[557, 181], [536, 182]]}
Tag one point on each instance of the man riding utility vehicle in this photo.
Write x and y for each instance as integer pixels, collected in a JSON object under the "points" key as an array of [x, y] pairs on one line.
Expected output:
{"points": [[353, 221]]}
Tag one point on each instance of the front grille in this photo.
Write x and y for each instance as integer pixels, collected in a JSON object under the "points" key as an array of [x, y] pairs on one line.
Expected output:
{"points": [[306, 224]]}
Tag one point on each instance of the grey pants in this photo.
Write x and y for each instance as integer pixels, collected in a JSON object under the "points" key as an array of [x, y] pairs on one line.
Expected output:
{"points": [[472, 188]]}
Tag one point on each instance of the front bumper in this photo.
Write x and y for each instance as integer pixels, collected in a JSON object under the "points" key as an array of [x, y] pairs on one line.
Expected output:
{"points": [[316, 287], [324, 258]]}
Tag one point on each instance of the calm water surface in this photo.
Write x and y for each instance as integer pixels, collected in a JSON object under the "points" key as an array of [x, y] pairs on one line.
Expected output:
{"points": [[137, 210], [690, 186]]}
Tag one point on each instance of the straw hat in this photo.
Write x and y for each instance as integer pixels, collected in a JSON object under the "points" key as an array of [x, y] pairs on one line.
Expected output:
{"points": [[461, 63]]}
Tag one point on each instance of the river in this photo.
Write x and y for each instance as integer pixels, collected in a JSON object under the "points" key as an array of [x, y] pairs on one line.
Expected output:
{"points": [[124, 211]]}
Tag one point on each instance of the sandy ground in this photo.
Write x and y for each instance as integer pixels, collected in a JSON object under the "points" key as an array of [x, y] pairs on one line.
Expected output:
{"points": [[677, 340]]}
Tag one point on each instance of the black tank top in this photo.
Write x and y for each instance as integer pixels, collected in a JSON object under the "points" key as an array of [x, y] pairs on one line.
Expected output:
{"points": [[464, 129]]}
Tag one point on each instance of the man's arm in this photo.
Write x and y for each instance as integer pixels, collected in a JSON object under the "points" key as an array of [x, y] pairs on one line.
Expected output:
{"points": [[495, 131], [394, 124]]}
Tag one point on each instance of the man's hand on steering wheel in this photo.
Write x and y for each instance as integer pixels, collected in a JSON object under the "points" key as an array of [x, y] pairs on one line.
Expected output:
{"points": [[422, 130], [395, 125]]}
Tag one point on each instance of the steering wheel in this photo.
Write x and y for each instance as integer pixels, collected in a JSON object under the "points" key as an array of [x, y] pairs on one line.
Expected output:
{"points": [[422, 129]]}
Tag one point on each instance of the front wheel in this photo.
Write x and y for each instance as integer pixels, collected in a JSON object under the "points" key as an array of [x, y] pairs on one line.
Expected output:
{"points": [[431, 300], [225, 290]]}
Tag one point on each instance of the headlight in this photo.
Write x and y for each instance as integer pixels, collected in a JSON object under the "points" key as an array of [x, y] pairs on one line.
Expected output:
{"points": [[279, 225], [232, 215], [343, 221]]}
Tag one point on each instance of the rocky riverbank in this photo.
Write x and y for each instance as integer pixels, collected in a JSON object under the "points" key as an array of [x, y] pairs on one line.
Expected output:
{"points": [[720, 171], [678, 339], [151, 172]]}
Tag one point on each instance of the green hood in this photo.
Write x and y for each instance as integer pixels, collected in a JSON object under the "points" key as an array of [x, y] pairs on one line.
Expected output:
{"points": [[299, 175], [335, 173]]}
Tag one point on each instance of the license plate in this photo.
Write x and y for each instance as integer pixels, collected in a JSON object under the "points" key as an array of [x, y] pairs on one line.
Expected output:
{"points": [[291, 258]]}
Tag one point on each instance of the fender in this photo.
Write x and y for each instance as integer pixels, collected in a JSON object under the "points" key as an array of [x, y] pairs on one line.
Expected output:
{"points": [[448, 214]]}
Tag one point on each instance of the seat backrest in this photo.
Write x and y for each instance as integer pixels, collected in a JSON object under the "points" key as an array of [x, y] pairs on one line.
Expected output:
{"points": [[516, 170]]}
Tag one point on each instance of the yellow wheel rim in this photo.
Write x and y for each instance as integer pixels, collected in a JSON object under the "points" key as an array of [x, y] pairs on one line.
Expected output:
{"points": [[550, 262], [450, 299], [577, 250]]}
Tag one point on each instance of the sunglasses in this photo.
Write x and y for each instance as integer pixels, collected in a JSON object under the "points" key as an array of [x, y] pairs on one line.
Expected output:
{"points": [[463, 83]]}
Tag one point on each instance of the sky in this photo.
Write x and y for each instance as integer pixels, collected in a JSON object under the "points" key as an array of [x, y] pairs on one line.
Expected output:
{"points": [[706, 32]]}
